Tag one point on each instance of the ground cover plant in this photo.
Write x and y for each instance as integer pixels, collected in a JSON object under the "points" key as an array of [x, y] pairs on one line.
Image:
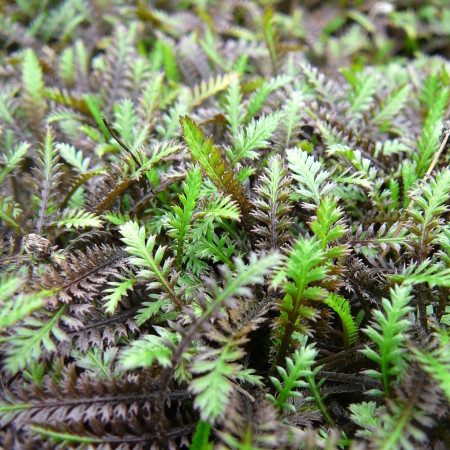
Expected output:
{"points": [[224, 224]]}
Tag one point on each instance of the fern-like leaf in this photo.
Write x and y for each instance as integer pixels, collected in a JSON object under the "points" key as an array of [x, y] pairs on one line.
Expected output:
{"points": [[12, 158], [16, 305], [208, 89], [213, 387], [47, 176], [218, 366], [389, 331], [430, 203], [10, 214], [435, 360], [273, 206], [311, 177], [293, 378], [429, 141], [179, 222], [31, 339], [363, 91], [253, 137], [74, 157], [328, 227], [258, 98], [142, 255], [33, 92], [213, 163], [71, 218], [150, 348], [341, 306], [304, 268], [116, 292], [392, 105], [234, 109]]}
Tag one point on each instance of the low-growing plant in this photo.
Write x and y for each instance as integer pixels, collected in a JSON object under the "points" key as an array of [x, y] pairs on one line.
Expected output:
{"points": [[224, 224]]}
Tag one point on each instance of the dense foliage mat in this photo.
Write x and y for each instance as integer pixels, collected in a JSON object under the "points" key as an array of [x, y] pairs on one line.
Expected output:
{"points": [[224, 224]]}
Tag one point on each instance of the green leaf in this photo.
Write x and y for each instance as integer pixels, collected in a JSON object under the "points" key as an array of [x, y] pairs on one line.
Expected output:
{"points": [[393, 104], [327, 225], [178, 222], [236, 284], [436, 361], [213, 388], [117, 290], [430, 139], [9, 214], [75, 158], [389, 332], [428, 271], [218, 365], [149, 310], [220, 208], [304, 266], [293, 378], [7, 108], [310, 176], [125, 121], [68, 438], [234, 110], [341, 306], [32, 79], [149, 262], [117, 218], [170, 62], [291, 110], [255, 136], [258, 98], [93, 105], [207, 89], [151, 96], [66, 66], [213, 163], [430, 202], [11, 159], [26, 344], [316, 395], [100, 362], [363, 96], [16, 305], [72, 218], [215, 248], [200, 440], [149, 348], [48, 174], [270, 37], [200, 149], [366, 416]]}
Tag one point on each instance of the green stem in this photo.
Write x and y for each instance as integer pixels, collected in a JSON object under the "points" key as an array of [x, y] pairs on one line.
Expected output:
{"points": [[315, 391], [179, 257]]}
